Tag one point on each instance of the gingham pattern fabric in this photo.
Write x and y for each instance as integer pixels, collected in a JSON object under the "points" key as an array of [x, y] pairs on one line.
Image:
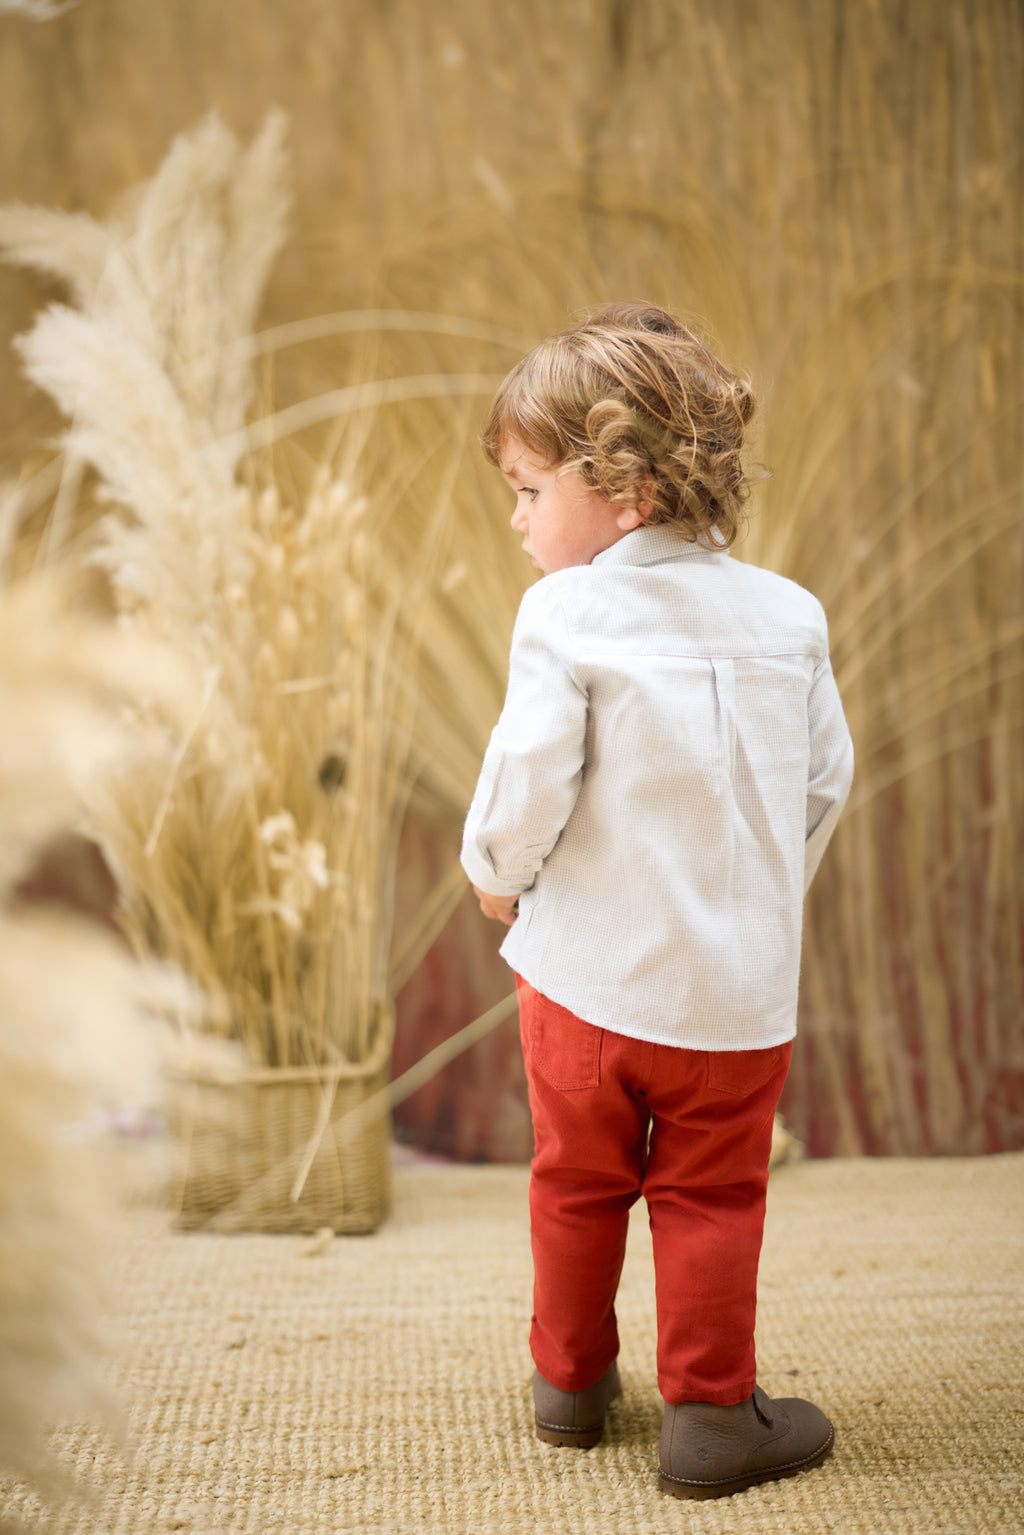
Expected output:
{"points": [[669, 764]]}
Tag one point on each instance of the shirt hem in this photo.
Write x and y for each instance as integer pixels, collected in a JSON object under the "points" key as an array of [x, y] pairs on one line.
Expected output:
{"points": [[780, 1030]]}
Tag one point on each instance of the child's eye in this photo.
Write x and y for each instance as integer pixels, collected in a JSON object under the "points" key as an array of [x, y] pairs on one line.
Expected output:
{"points": [[527, 490]]}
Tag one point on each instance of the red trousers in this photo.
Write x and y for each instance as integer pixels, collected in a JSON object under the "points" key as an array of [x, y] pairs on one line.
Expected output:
{"points": [[691, 1130]]}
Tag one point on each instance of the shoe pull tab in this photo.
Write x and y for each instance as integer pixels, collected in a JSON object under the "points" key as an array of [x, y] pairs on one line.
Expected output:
{"points": [[763, 1407]]}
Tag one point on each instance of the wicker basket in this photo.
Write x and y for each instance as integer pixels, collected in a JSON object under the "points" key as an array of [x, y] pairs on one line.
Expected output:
{"points": [[283, 1150]]}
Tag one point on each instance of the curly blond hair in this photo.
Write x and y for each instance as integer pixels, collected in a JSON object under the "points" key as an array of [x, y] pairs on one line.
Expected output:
{"points": [[642, 409]]}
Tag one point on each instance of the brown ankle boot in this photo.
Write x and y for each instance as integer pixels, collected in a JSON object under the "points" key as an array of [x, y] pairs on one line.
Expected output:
{"points": [[574, 1417], [709, 1452]]}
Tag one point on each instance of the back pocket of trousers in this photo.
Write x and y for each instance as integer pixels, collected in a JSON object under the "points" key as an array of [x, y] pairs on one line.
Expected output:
{"points": [[564, 1050], [742, 1072]]}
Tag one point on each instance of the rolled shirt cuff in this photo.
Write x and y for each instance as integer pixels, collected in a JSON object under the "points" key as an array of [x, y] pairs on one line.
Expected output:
{"points": [[482, 874]]}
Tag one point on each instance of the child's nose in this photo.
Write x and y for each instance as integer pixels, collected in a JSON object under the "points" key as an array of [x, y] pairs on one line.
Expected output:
{"points": [[518, 519]]}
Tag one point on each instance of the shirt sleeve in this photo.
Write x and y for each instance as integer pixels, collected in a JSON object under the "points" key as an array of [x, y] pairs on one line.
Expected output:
{"points": [[830, 770], [533, 766]]}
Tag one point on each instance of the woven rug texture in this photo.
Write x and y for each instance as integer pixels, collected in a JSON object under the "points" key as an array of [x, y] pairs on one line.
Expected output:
{"points": [[381, 1384]]}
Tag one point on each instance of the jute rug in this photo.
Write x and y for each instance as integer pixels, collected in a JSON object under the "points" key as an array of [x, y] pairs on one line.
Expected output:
{"points": [[381, 1384]]}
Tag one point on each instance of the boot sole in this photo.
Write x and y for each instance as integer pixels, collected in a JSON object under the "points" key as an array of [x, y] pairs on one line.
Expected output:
{"points": [[676, 1487], [573, 1438]]}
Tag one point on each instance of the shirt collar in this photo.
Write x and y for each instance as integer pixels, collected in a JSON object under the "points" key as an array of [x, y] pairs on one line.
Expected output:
{"points": [[653, 546]]}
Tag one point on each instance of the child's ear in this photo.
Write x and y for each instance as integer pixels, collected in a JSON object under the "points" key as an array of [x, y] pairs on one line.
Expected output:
{"points": [[629, 517]]}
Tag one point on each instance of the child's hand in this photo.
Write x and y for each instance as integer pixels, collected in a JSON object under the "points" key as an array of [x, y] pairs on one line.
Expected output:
{"points": [[504, 908]]}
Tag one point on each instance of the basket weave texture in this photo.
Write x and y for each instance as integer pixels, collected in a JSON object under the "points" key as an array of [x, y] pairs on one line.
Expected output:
{"points": [[284, 1150]]}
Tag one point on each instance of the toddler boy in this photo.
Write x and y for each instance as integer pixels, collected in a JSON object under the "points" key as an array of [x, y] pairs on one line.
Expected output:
{"points": [[668, 767]]}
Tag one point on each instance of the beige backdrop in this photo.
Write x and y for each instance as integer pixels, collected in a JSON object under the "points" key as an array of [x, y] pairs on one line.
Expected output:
{"points": [[837, 188]]}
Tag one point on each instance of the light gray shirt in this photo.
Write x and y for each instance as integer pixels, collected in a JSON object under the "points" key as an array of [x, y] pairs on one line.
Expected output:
{"points": [[669, 764]]}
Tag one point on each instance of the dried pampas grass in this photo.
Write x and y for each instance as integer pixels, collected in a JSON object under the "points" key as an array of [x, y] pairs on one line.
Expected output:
{"points": [[260, 854], [177, 271], [65, 684], [72, 1043], [38, 10], [78, 1027]]}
